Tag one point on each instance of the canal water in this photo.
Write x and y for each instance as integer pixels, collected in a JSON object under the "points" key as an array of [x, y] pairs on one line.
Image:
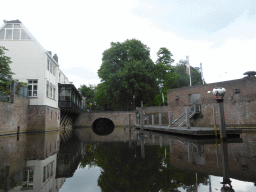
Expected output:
{"points": [[122, 160]]}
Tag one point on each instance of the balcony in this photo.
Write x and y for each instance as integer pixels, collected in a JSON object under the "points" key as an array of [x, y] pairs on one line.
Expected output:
{"points": [[70, 99]]}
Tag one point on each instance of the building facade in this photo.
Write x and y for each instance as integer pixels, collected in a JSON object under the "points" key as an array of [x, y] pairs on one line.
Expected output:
{"points": [[33, 65], [239, 103]]}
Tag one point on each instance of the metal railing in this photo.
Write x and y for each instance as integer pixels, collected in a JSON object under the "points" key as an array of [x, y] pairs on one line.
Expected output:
{"points": [[110, 109], [193, 109], [14, 88]]}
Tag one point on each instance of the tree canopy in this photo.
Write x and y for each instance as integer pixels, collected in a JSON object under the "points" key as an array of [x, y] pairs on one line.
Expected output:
{"points": [[129, 76], [164, 56], [127, 71], [183, 78], [88, 92], [5, 61], [165, 74]]}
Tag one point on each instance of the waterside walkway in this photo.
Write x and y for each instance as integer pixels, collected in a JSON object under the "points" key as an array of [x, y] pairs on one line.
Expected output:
{"points": [[193, 131]]}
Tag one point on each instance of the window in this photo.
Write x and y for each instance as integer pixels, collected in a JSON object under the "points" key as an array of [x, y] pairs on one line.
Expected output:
{"points": [[48, 171], [47, 89], [44, 178], [48, 64], [28, 179], [13, 32], [51, 67], [51, 91], [53, 94], [51, 168], [32, 88]]}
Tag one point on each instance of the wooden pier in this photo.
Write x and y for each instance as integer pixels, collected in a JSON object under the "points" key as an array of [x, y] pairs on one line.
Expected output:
{"points": [[194, 140], [193, 131]]}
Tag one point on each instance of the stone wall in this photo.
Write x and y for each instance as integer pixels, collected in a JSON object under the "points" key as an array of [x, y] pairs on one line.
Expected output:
{"points": [[22, 117], [119, 118], [42, 118], [13, 115], [239, 102], [154, 109]]}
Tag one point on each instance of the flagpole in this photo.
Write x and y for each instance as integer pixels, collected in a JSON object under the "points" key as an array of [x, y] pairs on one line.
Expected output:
{"points": [[201, 68], [188, 65]]}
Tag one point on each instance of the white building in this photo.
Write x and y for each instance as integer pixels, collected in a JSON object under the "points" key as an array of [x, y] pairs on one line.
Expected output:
{"points": [[32, 64]]}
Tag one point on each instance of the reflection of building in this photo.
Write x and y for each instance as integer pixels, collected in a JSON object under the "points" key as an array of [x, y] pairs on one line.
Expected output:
{"points": [[34, 166], [35, 66], [69, 155]]}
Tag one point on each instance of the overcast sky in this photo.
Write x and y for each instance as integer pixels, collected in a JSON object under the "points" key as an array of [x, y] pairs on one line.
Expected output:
{"points": [[220, 34]]}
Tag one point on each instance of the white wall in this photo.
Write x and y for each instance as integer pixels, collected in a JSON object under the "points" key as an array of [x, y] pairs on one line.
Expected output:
{"points": [[39, 165], [28, 61], [52, 78]]}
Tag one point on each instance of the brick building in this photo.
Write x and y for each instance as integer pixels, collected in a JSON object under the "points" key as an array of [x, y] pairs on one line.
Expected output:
{"points": [[239, 102]]}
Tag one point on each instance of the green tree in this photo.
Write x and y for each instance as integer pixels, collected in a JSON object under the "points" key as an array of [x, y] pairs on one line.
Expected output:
{"points": [[165, 74], [101, 95], [5, 61], [126, 72], [88, 92], [164, 56], [183, 78]]}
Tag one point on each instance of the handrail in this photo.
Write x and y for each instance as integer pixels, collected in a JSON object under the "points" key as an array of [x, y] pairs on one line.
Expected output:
{"points": [[193, 112]]}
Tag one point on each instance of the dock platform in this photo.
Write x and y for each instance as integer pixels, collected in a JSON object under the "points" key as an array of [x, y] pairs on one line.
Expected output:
{"points": [[193, 131]]}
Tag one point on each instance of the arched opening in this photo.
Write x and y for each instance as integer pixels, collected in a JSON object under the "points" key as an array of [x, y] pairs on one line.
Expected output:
{"points": [[103, 126]]}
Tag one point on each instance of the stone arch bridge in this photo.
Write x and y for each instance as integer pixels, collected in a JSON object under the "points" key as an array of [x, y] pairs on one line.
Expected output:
{"points": [[119, 118]]}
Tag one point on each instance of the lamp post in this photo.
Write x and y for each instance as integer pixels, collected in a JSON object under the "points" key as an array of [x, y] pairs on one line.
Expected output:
{"points": [[219, 93]]}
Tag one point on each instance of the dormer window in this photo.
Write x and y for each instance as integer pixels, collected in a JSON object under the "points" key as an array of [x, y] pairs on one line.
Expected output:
{"points": [[13, 32]]}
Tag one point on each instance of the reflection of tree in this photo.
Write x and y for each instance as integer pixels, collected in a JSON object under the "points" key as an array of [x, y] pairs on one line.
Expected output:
{"points": [[88, 159], [121, 171]]}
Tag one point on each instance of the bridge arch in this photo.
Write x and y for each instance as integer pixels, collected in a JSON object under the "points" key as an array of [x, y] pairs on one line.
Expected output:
{"points": [[119, 118], [103, 126]]}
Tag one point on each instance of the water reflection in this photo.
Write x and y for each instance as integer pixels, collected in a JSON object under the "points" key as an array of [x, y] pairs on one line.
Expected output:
{"points": [[34, 161], [129, 160]]}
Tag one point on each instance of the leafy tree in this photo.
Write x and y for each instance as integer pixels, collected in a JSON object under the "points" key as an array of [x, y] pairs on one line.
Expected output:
{"points": [[5, 70], [183, 78], [88, 92], [165, 74], [127, 71], [101, 95], [164, 56]]}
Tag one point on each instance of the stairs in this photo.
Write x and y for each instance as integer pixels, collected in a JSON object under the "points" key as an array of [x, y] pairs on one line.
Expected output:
{"points": [[181, 120]]}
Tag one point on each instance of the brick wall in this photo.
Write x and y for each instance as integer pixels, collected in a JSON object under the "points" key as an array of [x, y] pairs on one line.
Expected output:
{"points": [[43, 118], [13, 115], [154, 109], [87, 119], [52, 118], [239, 108]]}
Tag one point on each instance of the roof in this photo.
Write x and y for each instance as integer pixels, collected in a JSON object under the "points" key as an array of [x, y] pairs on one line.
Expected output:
{"points": [[31, 36], [12, 21]]}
